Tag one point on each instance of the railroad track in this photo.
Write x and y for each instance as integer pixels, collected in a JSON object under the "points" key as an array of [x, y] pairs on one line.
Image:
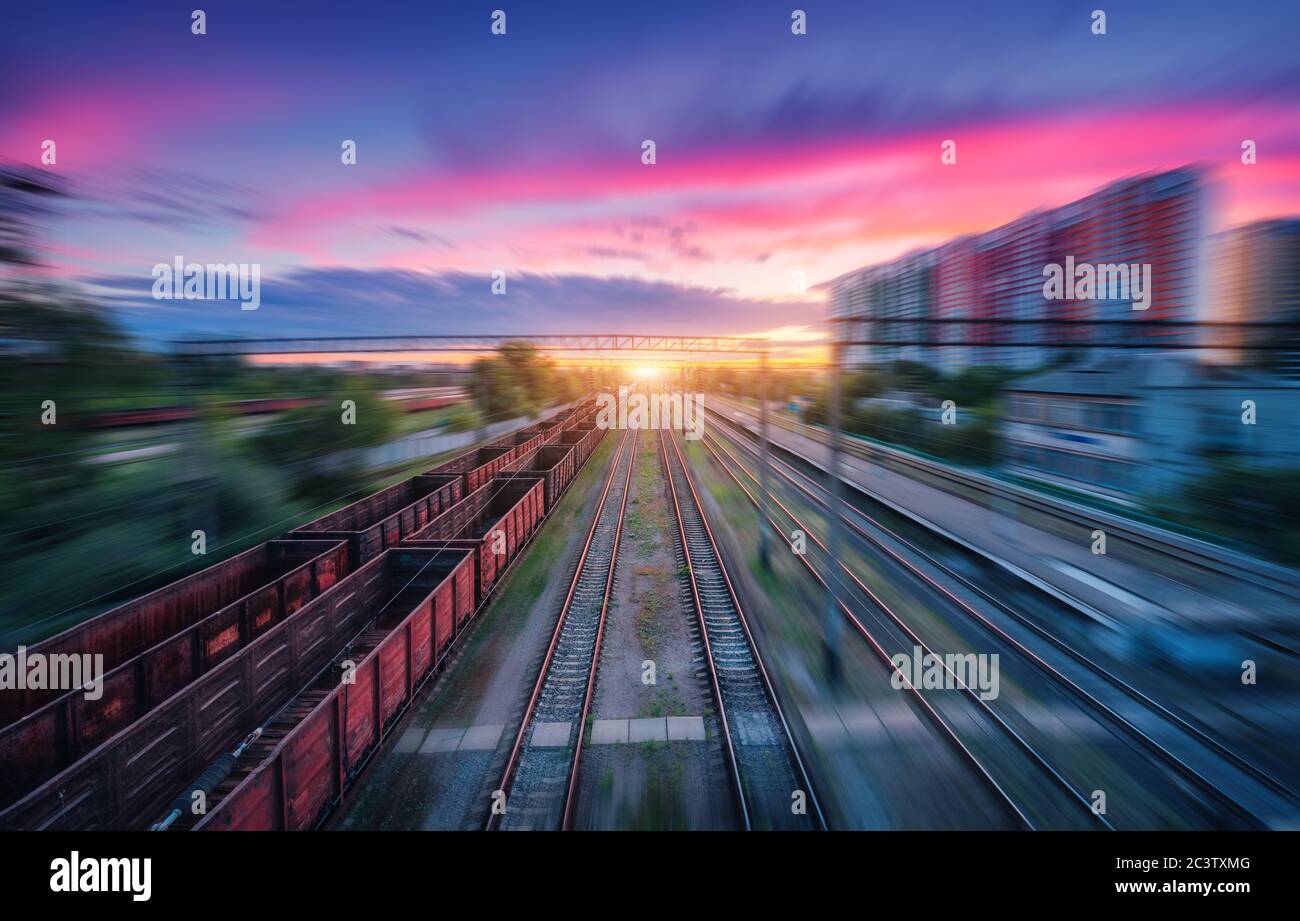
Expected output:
{"points": [[1016, 812], [1202, 554], [1083, 692], [772, 786], [541, 773]]}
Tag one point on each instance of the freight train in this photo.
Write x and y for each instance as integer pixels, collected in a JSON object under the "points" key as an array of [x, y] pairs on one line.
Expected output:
{"points": [[407, 401], [250, 694]]}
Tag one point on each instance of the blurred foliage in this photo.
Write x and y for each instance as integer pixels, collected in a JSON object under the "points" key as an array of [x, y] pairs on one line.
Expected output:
{"points": [[1260, 507], [28, 196], [462, 418], [519, 381], [302, 439], [973, 440], [90, 517]]}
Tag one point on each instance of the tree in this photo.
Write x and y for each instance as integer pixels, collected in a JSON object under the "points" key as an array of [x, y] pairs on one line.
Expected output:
{"points": [[865, 383], [519, 381], [319, 446], [495, 392], [462, 418], [915, 377], [978, 386]]}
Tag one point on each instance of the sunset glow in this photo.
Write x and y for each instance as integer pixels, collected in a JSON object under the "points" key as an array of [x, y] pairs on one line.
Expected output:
{"points": [[746, 211]]}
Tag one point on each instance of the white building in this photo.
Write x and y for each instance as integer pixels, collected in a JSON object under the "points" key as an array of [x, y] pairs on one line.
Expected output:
{"points": [[1146, 425]]}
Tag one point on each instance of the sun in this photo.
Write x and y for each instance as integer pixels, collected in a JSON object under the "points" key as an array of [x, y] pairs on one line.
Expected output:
{"points": [[644, 371]]}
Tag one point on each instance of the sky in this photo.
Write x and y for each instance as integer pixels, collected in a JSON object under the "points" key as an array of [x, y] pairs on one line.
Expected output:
{"points": [[782, 160]]}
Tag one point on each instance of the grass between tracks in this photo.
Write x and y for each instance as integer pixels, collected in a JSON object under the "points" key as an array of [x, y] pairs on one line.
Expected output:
{"points": [[540, 563]]}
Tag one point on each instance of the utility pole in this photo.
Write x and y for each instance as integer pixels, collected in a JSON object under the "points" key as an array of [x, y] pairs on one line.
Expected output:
{"points": [[832, 623]]}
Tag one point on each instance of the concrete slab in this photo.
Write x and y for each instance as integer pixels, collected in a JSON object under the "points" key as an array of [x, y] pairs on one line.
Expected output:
{"points": [[900, 721], [863, 724], [410, 740], [481, 738], [685, 729], [654, 729], [551, 735], [606, 732], [441, 740], [753, 729]]}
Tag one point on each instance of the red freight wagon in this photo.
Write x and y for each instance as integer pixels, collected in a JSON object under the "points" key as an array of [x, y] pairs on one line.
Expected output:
{"points": [[478, 466], [377, 522], [494, 521], [584, 442], [577, 441], [583, 417], [273, 577], [499, 517], [552, 433], [577, 411], [57, 734], [556, 465], [526, 442], [300, 766], [549, 430], [533, 510], [129, 779]]}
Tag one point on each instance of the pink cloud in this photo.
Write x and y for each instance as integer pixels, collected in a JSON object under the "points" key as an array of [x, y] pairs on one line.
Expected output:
{"points": [[113, 123], [744, 203]]}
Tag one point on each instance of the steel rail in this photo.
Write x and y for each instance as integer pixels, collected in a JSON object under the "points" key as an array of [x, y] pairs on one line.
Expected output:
{"points": [[708, 646], [1183, 723], [947, 731], [512, 762], [760, 667], [1185, 549], [1024, 744], [1090, 700], [572, 787]]}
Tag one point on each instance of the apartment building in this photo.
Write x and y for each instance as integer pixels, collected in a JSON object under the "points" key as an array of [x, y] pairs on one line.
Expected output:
{"points": [[1256, 279], [992, 282]]}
